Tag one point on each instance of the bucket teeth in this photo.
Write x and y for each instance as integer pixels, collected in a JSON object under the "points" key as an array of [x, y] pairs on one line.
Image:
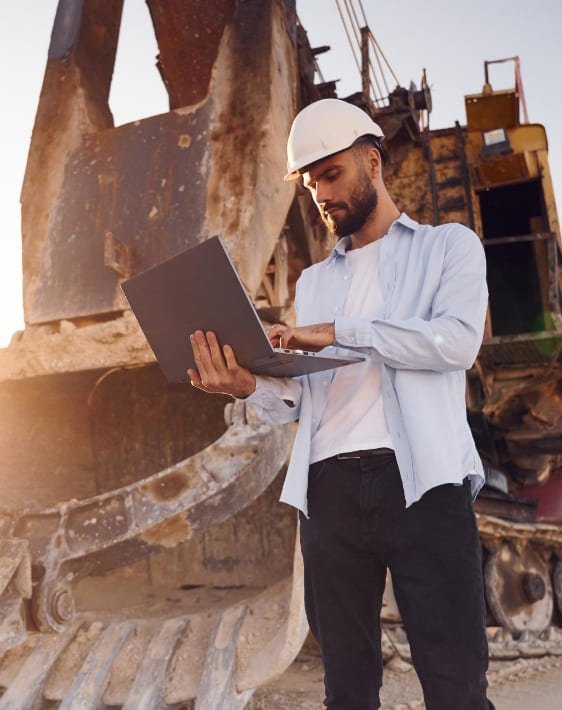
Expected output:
{"points": [[149, 687], [26, 691], [87, 690], [218, 682]]}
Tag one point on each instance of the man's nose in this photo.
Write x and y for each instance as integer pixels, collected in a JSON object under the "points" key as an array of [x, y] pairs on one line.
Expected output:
{"points": [[323, 195]]}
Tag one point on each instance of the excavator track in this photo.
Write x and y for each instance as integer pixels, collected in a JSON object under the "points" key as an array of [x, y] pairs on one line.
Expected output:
{"points": [[215, 657]]}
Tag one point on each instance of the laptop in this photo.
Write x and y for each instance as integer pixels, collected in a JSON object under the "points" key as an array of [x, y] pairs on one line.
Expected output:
{"points": [[200, 289]]}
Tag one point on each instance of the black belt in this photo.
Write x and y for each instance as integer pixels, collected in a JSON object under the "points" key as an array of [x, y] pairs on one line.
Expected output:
{"points": [[364, 453]]}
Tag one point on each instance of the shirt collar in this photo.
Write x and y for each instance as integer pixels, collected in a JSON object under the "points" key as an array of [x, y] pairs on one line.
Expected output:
{"points": [[343, 244], [407, 222]]}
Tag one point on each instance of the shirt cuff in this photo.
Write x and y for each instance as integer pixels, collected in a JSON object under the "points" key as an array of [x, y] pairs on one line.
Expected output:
{"points": [[352, 332], [268, 388]]}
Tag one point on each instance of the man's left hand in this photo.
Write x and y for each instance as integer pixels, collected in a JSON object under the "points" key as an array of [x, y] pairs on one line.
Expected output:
{"points": [[307, 337]]}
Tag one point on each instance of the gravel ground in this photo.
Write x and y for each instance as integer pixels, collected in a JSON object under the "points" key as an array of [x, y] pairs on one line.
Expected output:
{"points": [[529, 684]]}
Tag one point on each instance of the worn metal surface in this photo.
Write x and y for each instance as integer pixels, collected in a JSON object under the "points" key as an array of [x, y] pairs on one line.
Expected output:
{"points": [[149, 687], [25, 692], [161, 661], [67, 347], [494, 531], [15, 586], [274, 633], [77, 435], [86, 692], [159, 185], [188, 33], [130, 523], [218, 681], [73, 104], [515, 397], [518, 588]]}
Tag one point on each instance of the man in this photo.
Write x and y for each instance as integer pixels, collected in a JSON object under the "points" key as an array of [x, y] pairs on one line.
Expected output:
{"points": [[384, 467]]}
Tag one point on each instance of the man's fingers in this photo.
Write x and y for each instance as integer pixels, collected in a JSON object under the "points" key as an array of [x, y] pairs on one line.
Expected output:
{"points": [[280, 335], [286, 338], [215, 352], [201, 354], [277, 329], [230, 358], [274, 334], [196, 380]]}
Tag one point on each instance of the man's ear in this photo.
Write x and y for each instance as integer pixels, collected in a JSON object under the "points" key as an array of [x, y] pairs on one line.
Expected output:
{"points": [[374, 162]]}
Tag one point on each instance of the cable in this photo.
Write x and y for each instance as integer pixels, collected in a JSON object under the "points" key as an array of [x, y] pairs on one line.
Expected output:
{"points": [[377, 69], [380, 94], [376, 47], [377, 57], [363, 13], [376, 44], [354, 22], [352, 17], [348, 37]]}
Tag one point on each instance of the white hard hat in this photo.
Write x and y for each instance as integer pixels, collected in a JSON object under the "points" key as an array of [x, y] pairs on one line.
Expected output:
{"points": [[323, 128]]}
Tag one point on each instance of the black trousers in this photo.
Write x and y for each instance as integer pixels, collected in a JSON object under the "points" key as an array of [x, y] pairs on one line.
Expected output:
{"points": [[358, 527]]}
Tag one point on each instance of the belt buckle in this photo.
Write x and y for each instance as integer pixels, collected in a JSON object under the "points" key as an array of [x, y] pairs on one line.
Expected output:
{"points": [[349, 455]]}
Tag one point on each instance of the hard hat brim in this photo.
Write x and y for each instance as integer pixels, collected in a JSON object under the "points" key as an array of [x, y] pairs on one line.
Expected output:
{"points": [[307, 162]]}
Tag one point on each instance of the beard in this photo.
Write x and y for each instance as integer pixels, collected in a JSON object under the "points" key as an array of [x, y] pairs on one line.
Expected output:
{"points": [[353, 214]]}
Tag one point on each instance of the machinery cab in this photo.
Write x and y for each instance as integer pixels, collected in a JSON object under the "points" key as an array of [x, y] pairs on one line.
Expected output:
{"points": [[517, 216]]}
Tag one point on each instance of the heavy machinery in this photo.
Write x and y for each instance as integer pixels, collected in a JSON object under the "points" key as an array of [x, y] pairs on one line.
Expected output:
{"points": [[493, 175], [145, 561]]}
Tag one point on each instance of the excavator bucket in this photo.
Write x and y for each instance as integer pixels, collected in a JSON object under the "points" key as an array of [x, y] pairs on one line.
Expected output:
{"points": [[144, 559]]}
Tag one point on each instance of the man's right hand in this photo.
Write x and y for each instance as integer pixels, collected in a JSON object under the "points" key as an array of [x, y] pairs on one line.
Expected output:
{"points": [[217, 369]]}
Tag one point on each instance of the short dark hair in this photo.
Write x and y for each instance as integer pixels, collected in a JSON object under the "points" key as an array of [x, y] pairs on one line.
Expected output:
{"points": [[370, 141]]}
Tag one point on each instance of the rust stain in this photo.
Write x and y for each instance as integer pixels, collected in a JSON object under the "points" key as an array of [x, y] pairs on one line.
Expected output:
{"points": [[169, 533], [184, 140], [167, 488]]}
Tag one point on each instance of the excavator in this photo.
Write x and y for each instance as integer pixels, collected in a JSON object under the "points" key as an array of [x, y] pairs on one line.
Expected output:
{"points": [[145, 561]]}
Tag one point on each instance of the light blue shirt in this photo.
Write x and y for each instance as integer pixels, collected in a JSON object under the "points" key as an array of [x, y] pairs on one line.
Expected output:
{"points": [[426, 335]]}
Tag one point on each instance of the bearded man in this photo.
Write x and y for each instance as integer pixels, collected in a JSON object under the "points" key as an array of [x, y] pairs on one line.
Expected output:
{"points": [[384, 468]]}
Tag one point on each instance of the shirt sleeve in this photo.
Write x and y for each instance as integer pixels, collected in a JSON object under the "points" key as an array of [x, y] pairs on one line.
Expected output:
{"points": [[451, 337], [276, 400]]}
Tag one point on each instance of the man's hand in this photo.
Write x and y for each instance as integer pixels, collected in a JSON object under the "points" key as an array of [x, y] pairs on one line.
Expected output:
{"points": [[308, 337], [217, 370]]}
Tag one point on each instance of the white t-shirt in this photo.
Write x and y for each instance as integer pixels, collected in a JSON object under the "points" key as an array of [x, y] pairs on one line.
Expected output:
{"points": [[354, 416]]}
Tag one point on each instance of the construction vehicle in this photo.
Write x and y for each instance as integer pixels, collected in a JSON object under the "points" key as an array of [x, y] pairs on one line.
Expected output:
{"points": [[493, 175], [145, 560]]}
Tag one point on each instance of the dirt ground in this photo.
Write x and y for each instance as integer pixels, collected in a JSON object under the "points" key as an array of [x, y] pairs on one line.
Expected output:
{"points": [[522, 684]]}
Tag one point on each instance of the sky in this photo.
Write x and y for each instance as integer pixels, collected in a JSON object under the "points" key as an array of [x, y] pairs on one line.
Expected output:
{"points": [[449, 38]]}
